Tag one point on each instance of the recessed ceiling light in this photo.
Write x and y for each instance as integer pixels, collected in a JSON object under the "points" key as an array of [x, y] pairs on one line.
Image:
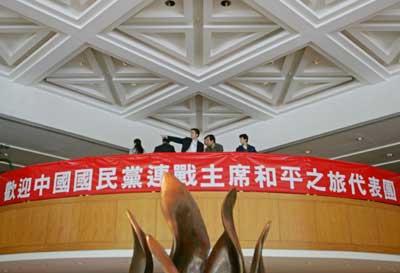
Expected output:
{"points": [[360, 138], [389, 155], [316, 61], [169, 3], [307, 152], [226, 3]]}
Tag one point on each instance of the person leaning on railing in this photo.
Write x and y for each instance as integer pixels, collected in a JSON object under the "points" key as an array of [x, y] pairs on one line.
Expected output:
{"points": [[244, 145], [137, 147], [189, 144], [211, 145], [165, 147]]}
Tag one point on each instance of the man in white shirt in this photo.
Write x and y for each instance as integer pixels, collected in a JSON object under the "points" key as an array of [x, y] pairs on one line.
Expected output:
{"points": [[189, 144]]}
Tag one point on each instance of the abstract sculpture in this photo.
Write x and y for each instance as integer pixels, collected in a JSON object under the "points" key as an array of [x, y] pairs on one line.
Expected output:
{"points": [[191, 245]]}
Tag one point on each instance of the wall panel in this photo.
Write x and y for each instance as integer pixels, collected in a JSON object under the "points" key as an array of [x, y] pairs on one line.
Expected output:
{"points": [[298, 222]]}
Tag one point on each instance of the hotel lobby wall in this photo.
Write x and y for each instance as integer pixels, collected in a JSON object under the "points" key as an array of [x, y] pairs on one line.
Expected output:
{"points": [[298, 222]]}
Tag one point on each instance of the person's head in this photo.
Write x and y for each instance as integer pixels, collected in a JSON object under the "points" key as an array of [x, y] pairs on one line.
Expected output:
{"points": [[165, 140], [243, 138], [138, 145], [209, 140], [194, 133], [137, 142]]}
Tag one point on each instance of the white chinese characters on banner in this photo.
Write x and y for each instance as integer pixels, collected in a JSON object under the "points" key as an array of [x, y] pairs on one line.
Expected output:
{"points": [[265, 175], [357, 179], [239, 175], [42, 183], [389, 190], [9, 193], [374, 187], [337, 182], [132, 176], [273, 178], [62, 182], [83, 180], [24, 187], [312, 184], [186, 173], [212, 175], [291, 175], [106, 178], [155, 173]]}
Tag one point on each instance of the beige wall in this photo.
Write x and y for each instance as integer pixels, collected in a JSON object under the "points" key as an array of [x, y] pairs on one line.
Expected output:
{"points": [[298, 222]]}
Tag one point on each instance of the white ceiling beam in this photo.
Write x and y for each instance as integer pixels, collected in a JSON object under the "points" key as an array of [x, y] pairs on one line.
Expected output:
{"points": [[47, 59], [139, 57], [355, 15], [246, 104], [357, 106], [34, 105], [354, 61], [258, 57], [151, 104], [289, 17], [324, 37], [63, 47], [29, 10]]}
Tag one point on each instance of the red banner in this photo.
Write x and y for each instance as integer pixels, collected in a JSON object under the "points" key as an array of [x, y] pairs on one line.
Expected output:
{"points": [[200, 172]]}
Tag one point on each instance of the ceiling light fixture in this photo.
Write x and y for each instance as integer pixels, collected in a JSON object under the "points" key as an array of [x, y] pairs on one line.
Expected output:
{"points": [[360, 138], [133, 84], [124, 64], [266, 83], [316, 61], [389, 155], [3, 147], [226, 3], [169, 3], [307, 152]]}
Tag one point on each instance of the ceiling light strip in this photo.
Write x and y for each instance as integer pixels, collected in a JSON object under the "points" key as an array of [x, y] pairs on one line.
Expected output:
{"points": [[366, 151], [386, 163], [13, 164], [35, 152]]}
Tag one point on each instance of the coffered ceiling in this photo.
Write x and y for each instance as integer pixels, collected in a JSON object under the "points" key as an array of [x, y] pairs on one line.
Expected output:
{"points": [[113, 70], [210, 64]]}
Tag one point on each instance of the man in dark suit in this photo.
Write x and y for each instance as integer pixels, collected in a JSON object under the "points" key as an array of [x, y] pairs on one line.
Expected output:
{"points": [[189, 144], [165, 147], [211, 145], [244, 146]]}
